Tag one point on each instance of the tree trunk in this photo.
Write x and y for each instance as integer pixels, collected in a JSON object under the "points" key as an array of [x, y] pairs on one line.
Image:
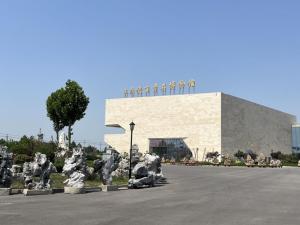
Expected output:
{"points": [[69, 135], [57, 137]]}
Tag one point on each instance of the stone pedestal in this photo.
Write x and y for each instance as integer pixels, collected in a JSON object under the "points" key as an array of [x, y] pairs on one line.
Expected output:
{"points": [[107, 188], [28, 192], [5, 191], [74, 190]]}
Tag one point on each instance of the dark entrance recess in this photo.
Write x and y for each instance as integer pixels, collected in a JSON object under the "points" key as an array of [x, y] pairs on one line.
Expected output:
{"points": [[170, 148]]}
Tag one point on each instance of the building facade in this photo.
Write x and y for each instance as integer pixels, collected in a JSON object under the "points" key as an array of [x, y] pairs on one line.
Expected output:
{"points": [[198, 123], [296, 138]]}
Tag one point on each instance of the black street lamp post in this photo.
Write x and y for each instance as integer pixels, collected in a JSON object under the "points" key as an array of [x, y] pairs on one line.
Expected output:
{"points": [[130, 153]]}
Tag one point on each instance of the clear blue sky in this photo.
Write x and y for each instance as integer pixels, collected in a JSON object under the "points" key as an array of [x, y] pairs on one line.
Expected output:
{"points": [[250, 49]]}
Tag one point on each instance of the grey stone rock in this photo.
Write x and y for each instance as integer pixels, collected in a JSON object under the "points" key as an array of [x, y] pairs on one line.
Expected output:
{"points": [[40, 168], [76, 169], [249, 161], [147, 172], [105, 167], [275, 163], [227, 160], [123, 168], [5, 168], [261, 160]]}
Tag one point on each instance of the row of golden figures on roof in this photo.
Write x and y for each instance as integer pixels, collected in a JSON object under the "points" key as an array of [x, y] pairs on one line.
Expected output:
{"points": [[191, 84]]}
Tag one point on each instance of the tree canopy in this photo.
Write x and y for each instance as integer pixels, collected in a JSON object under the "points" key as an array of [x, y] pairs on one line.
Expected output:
{"points": [[54, 107], [66, 106]]}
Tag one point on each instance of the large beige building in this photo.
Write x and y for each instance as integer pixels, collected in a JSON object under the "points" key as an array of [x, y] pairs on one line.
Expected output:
{"points": [[200, 123]]}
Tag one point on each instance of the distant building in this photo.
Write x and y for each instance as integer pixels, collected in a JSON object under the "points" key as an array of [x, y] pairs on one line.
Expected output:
{"points": [[40, 136], [198, 124], [296, 138]]}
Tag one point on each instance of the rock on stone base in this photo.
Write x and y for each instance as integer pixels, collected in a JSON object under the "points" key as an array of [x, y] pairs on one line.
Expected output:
{"points": [[5, 191], [28, 192], [107, 188], [74, 190]]}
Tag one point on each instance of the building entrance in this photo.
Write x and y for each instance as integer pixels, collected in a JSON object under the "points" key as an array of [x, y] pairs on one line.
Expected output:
{"points": [[170, 148]]}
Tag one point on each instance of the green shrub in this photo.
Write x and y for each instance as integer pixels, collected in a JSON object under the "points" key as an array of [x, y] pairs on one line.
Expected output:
{"points": [[240, 154], [276, 155], [21, 159], [59, 164], [92, 157]]}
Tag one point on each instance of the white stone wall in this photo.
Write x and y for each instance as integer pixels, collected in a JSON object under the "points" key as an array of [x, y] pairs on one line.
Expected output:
{"points": [[195, 117], [246, 125]]}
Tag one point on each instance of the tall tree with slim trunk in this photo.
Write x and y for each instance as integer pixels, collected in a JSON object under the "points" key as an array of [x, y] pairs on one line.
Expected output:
{"points": [[54, 111], [74, 103]]}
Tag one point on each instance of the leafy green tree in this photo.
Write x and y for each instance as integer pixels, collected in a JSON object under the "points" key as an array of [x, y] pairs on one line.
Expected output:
{"points": [[54, 107], [240, 154], [73, 105]]}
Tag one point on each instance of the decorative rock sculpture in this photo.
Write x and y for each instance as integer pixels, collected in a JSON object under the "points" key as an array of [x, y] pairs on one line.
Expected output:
{"points": [[155, 89], [164, 89], [147, 172], [215, 162], [123, 168], [5, 171], [28, 175], [132, 92], [16, 171], [227, 160], [41, 167], [107, 168], [192, 85], [261, 160], [62, 145], [76, 169], [172, 86], [173, 161], [275, 163], [181, 86], [249, 161], [139, 91], [147, 90], [213, 158], [126, 93], [107, 171]]}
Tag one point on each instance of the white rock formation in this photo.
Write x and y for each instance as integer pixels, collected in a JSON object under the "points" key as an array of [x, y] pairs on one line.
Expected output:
{"points": [[76, 169]]}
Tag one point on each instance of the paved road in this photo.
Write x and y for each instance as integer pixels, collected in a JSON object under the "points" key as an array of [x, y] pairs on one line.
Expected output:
{"points": [[194, 195]]}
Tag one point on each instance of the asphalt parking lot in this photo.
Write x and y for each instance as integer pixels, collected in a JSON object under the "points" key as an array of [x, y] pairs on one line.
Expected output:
{"points": [[193, 195]]}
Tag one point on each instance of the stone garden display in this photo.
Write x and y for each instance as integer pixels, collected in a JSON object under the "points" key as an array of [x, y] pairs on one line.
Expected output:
{"points": [[106, 167], [123, 168], [261, 160], [62, 145], [249, 161], [275, 163], [173, 161], [213, 158], [5, 171], [36, 175], [227, 160], [147, 172], [76, 169], [16, 171], [106, 171]]}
